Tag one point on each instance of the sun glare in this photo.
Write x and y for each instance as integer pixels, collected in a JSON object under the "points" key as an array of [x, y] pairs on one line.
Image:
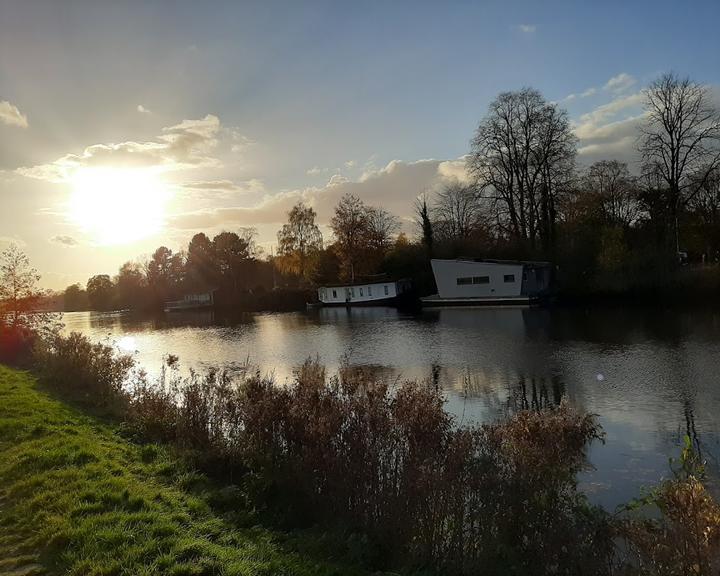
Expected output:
{"points": [[118, 205]]}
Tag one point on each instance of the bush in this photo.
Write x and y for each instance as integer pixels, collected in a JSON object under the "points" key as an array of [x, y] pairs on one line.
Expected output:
{"points": [[92, 373], [685, 539], [16, 344]]}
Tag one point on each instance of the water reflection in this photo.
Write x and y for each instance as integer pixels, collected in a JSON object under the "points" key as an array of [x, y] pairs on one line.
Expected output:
{"points": [[650, 375]]}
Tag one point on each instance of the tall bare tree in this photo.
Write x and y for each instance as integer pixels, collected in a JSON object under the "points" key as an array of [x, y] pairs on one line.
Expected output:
{"points": [[457, 211], [522, 155], [680, 142], [382, 229], [299, 242], [613, 190]]}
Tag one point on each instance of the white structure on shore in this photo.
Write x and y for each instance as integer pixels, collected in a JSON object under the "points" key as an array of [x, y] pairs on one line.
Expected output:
{"points": [[363, 293], [192, 301], [488, 281]]}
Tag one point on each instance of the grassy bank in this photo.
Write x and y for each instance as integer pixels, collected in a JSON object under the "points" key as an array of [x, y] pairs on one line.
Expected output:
{"points": [[77, 498]]}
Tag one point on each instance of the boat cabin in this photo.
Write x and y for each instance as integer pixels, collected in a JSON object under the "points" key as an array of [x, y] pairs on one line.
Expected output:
{"points": [[363, 293], [483, 281]]}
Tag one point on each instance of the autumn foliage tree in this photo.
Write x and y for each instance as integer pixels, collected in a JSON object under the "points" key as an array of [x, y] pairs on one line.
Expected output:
{"points": [[299, 243], [21, 316]]}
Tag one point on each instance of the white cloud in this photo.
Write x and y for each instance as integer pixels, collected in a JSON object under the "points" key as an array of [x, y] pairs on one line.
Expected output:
{"points": [[67, 241], [350, 164], [223, 188], [184, 145], [315, 170], [588, 92], [394, 187], [11, 115], [527, 28], [619, 83], [611, 129], [143, 110]]}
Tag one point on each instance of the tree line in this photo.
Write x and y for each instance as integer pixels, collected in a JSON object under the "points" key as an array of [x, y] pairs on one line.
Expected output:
{"points": [[605, 228]]}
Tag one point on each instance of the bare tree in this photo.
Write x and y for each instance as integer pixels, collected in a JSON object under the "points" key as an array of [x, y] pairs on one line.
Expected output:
{"points": [[457, 211], [523, 153], [382, 229], [680, 143], [613, 190]]}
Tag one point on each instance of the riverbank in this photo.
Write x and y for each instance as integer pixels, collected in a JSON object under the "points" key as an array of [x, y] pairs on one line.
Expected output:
{"points": [[78, 498]]}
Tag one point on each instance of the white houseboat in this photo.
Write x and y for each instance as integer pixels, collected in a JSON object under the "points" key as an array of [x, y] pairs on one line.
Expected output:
{"points": [[464, 282], [369, 293], [192, 302]]}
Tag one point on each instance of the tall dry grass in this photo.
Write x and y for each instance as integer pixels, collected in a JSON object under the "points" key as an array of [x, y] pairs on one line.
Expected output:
{"points": [[385, 461]]}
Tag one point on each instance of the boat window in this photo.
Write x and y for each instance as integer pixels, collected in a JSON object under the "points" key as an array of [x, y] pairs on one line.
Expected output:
{"points": [[509, 277], [352, 292], [361, 291], [481, 280], [334, 293], [386, 290], [463, 281], [369, 290]]}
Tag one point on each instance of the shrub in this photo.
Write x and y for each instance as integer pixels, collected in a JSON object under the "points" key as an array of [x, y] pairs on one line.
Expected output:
{"points": [[387, 463], [685, 538], [92, 373]]}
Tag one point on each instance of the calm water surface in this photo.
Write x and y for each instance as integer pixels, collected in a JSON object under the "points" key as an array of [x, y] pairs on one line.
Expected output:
{"points": [[652, 376]]}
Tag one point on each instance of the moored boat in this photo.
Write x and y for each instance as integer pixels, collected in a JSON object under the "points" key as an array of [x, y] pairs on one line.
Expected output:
{"points": [[371, 292]]}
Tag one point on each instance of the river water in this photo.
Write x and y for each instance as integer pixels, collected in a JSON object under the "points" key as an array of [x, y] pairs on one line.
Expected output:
{"points": [[652, 376]]}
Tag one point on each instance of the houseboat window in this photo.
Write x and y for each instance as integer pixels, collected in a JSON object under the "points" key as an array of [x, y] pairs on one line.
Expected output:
{"points": [[481, 280], [361, 291], [509, 277], [334, 293], [369, 290], [386, 290], [352, 292], [322, 293], [463, 281]]}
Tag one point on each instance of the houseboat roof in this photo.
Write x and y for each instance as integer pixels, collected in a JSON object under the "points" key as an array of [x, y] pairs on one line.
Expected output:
{"points": [[367, 282], [495, 261]]}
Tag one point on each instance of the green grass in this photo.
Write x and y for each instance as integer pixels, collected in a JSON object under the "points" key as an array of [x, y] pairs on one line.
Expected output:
{"points": [[77, 498]]}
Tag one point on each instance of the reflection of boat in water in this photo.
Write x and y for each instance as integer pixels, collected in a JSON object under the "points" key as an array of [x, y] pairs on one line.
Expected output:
{"points": [[191, 302], [372, 292], [488, 283]]}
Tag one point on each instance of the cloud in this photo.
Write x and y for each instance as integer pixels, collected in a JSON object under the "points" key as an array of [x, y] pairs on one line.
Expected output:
{"points": [[350, 164], [527, 28], [143, 110], [239, 141], [619, 83], [68, 241], [394, 187], [611, 129], [588, 92], [315, 170], [11, 115], [215, 188], [184, 145]]}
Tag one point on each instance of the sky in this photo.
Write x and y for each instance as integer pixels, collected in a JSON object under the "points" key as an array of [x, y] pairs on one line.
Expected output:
{"points": [[129, 125]]}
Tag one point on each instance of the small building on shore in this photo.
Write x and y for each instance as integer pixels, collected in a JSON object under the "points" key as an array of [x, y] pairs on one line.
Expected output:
{"points": [[372, 292], [477, 282]]}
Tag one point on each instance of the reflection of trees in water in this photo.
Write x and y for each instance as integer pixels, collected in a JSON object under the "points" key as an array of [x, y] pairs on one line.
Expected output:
{"points": [[536, 393]]}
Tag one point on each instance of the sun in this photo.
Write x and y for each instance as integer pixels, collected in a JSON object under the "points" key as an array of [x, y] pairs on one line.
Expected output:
{"points": [[118, 205]]}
